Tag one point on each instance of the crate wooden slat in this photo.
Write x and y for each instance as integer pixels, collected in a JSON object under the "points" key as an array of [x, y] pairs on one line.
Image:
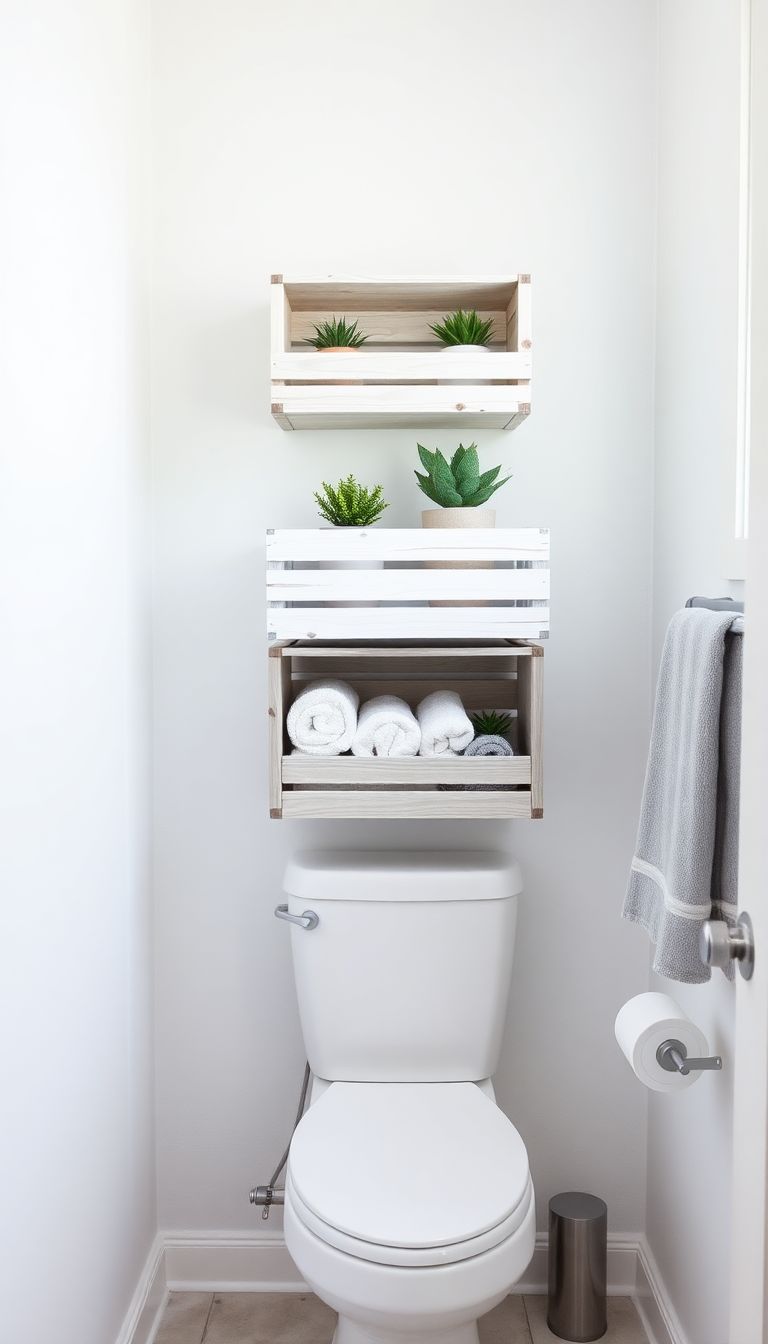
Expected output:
{"points": [[407, 406], [368, 366], [407, 806], [388, 413], [402, 376], [418, 772], [407, 544], [531, 679], [388, 582], [491, 694], [503, 675], [407, 585], [405, 649], [424, 622]]}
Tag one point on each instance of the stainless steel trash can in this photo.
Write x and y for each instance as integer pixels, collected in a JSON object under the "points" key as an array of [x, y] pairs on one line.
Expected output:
{"points": [[578, 1254]]}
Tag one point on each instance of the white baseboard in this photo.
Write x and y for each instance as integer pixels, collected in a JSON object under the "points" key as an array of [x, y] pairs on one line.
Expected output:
{"points": [[239, 1262], [652, 1300], [253, 1263], [148, 1302], [230, 1262]]}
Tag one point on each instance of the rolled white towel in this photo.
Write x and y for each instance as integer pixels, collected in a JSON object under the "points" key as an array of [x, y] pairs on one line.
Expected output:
{"points": [[386, 727], [323, 718], [445, 728]]}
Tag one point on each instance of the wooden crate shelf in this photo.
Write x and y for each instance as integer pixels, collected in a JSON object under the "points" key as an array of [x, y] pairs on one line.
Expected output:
{"points": [[509, 600], [402, 377], [502, 675]]}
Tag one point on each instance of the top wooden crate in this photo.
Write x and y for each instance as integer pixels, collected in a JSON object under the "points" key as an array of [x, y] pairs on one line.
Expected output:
{"points": [[402, 376]]}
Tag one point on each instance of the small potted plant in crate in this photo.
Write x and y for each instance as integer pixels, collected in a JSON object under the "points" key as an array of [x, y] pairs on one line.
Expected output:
{"points": [[460, 489], [350, 504], [491, 723], [338, 336], [463, 333]]}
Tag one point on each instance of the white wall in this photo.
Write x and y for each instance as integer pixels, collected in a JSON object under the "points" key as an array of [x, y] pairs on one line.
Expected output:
{"points": [[75, 949], [415, 138], [690, 1135]]}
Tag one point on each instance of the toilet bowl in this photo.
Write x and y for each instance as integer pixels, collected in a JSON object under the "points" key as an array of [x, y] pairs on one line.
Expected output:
{"points": [[408, 1199], [409, 1209]]}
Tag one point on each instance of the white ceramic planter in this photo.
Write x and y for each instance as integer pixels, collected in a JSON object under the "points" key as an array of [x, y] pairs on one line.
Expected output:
{"points": [[452, 518], [451, 351], [477, 517]]}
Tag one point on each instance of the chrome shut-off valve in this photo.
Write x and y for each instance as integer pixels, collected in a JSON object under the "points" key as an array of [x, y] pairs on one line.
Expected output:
{"points": [[264, 1196]]}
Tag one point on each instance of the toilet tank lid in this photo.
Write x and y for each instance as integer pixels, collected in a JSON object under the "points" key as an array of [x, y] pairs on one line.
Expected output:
{"points": [[402, 875]]}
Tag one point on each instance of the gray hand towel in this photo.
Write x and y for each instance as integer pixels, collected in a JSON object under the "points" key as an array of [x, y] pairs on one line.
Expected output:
{"points": [[725, 865], [691, 793]]}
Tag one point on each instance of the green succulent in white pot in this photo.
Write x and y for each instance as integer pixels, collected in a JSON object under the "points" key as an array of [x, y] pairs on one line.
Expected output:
{"points": [[458, 487], [463, 331], [460, 490]]}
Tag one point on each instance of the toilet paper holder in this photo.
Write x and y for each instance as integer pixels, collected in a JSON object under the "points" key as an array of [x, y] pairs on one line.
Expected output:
{"points": [[673, 1056]]}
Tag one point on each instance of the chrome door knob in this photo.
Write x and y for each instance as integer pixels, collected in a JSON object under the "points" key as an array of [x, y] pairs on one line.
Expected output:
{"points": [[719, 944]]}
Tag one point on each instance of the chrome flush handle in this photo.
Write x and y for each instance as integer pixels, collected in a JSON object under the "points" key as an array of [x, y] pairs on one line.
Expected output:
{"points": [[309, 920]]}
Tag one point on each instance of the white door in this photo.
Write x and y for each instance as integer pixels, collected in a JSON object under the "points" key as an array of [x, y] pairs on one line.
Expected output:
{"points": [[749, 1277]]}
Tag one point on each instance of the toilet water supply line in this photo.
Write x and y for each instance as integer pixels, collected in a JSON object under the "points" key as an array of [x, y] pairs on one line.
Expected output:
{"points": [[266, 1195]]}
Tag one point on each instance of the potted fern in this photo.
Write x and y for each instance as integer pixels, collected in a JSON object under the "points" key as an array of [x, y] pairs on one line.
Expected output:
{"points": [[350, 504]]}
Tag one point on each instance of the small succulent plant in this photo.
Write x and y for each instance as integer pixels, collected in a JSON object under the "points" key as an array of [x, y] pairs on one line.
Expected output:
{"points": [[457, 484], [338, 332], [462, 328], [350, 504], [487, 722]]}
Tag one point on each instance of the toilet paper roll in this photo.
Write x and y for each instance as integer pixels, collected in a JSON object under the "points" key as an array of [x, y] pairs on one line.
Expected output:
{"points": [[642, 1025]]}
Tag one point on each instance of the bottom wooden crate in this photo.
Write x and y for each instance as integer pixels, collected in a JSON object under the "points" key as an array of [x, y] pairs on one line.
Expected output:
{"points": [[501, 675]]}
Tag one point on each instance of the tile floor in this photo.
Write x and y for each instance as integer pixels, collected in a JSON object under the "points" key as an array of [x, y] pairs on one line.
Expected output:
{"points": [[300, 1318]]}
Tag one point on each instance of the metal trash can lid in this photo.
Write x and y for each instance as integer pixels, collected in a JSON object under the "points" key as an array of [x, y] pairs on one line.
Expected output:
{"points": [[578, 1206]]}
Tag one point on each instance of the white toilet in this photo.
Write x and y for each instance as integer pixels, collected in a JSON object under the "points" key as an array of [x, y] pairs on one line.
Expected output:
{"points": [[408, 1204]]}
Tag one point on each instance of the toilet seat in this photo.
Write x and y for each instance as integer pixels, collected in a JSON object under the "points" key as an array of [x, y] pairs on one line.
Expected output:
{"points": [[409, 1174]]}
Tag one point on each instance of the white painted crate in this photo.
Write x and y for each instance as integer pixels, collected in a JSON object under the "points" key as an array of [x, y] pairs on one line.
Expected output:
{"points": [[386, 584], [401, 377]]}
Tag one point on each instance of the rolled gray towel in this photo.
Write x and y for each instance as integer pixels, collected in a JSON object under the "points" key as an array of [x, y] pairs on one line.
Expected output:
{"points": [[487, 744]]}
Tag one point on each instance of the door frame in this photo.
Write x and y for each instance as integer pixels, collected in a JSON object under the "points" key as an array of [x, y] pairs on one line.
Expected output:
{"points": [[749, 1267]]}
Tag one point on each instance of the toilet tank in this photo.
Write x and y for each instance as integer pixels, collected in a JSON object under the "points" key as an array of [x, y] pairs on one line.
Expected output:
{"points": [[406, 976]]}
